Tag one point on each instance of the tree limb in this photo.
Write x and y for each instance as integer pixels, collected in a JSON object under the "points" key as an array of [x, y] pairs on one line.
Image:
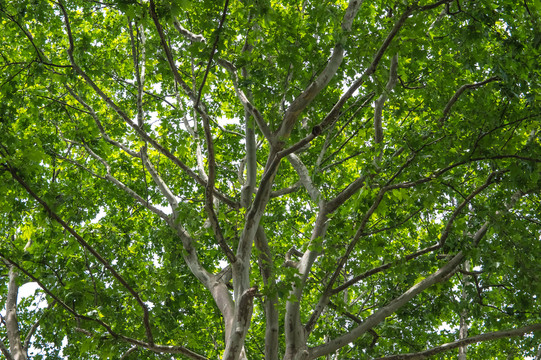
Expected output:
{"points": [[320, 160], [127, 353], [142, 134], [124, 187], [251, 146], [164, 189], [139, 72], [188, 34], [12, 322], [394, 305], [86, 245], [378, 106], [306, 97], [5, 350], [104, 135], [33, 328], [285, 191], [212, 52], [466, 341], [266, 264], [243, 98], [345, 194], [335, 111], [294, 331], [243, 314], [460, 91], [305, 179]]}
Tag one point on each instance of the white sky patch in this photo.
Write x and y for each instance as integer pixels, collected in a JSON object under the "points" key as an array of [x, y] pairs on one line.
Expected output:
{"points": [[149, 304], [98, 217], [166, 209], [156, 261], [225, 121], [26, 290], [222, 264], [29, 289], [154, 120]]}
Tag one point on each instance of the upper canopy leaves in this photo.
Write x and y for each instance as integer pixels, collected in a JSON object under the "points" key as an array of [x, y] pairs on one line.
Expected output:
{"points": [[205, 179]]}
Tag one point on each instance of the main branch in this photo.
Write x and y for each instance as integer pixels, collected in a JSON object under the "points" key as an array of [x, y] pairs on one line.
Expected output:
{"points": [[469, 340]]}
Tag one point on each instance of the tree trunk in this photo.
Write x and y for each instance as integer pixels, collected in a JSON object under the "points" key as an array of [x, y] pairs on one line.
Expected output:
{"points": [[12, 324], [463, 331]]}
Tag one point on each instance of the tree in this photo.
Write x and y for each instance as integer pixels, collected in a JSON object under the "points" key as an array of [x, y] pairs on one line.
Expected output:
{"points": [[270, 179]]}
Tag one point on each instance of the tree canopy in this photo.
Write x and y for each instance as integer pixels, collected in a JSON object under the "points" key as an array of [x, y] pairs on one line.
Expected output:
{"points": [[263, 179]]}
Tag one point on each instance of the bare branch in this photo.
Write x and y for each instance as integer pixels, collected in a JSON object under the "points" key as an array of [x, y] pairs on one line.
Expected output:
{"points": [[127, 353], [459, 92], [126, 188], [466, 341], [195, 98], [104, 135], [306, 97], [253, 216], [188, 34], [251, 147], [222, 20], [169, 54], [325, 297], [286, 86], [345, 194], [320, 160], [161, 184], [209, 190], [79, 165], [305, 179], [294, 331], [33, 328], [335, 111], [139, 71], [338, 162], [434, 5], [287, 190], [378, 107], [164, 189], [83, 331], [243, 98]]}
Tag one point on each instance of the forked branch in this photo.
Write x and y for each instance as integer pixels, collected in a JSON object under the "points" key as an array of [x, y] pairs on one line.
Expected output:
{"points": [[305, 98], [394, 305], [140, 132]]}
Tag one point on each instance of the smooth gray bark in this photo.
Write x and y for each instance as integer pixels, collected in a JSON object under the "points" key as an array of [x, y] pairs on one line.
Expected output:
{"points": [[12, 323]]}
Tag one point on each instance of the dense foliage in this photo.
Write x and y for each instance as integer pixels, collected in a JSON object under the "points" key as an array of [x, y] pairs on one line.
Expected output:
{"points": [[265, 179]]}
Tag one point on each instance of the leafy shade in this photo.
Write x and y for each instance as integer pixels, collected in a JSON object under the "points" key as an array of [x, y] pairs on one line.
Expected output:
{"points": [[271, 180]]}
